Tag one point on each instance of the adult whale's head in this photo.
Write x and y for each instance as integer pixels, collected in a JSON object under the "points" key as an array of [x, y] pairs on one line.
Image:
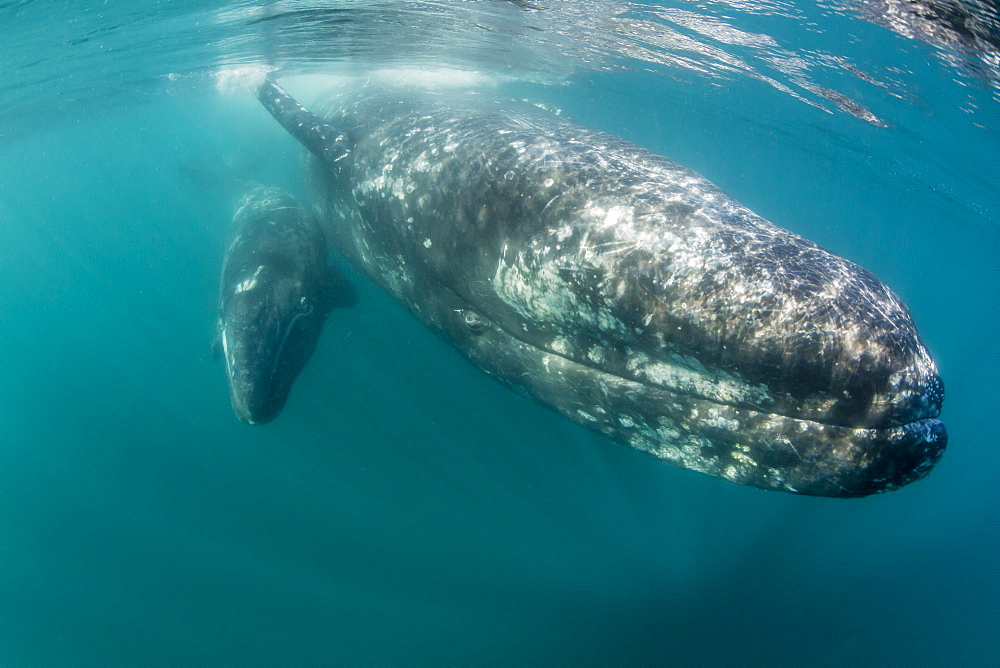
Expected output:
{"points": [[625, 291], [276, 292]]}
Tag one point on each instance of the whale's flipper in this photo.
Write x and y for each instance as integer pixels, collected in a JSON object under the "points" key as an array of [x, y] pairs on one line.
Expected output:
{"points": [[324, 141]]}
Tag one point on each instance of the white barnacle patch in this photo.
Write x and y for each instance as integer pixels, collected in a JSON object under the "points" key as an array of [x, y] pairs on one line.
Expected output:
{"points": [[688, 376], [586, 416], [717, 420], [668, 433], [561, 345], [669, 443], [596, 354], [564, 232], [427, 243], [421, 163], [617, 215], [540, 291], [399, 188]]}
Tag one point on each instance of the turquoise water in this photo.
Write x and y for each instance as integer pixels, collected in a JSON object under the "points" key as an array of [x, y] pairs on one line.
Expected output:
{"points": [[406, 509]]}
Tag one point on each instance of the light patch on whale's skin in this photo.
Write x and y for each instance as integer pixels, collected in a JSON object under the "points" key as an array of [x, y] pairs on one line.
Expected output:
{"points": [[540, 292], [686, 374], [630, 294], [250, 283]]}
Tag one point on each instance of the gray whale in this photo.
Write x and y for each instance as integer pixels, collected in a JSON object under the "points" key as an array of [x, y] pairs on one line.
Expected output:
{"points": [[276, 291], [624, 290]]}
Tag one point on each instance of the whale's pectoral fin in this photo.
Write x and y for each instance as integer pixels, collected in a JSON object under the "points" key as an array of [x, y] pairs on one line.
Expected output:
{"points": [[322, 139]]}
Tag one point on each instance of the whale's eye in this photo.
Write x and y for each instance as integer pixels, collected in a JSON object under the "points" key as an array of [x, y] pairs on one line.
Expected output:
{"points": [[475, 322]]}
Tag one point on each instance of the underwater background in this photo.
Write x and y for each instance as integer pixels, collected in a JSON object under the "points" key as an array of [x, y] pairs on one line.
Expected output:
{"points": [[405, 508]]}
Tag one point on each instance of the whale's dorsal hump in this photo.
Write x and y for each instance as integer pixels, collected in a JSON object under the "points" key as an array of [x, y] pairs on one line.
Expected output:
{"points": [[322, 139]]}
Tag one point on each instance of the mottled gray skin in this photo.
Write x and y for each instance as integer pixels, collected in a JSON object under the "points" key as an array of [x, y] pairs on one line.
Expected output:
{"points": [[625, 291], [275, 294]]}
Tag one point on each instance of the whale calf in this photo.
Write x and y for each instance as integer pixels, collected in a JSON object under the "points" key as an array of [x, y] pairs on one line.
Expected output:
{"points": [[276, 292], [624, 290]]}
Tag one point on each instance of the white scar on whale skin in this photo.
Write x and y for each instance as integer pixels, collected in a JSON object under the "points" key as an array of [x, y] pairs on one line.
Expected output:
{"points": [[250, 283]]}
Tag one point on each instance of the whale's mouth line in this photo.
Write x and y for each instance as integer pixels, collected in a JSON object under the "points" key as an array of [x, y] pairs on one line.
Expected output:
{"points": [[744, 406]]}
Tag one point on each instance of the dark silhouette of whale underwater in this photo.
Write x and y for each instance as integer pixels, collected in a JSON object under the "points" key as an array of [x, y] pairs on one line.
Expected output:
{"points": [[275, 294], [624, 290]]}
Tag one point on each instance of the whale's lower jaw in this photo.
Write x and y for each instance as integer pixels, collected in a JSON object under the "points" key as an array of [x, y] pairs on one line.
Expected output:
{"points": [[735, 443], [738, 444]]}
